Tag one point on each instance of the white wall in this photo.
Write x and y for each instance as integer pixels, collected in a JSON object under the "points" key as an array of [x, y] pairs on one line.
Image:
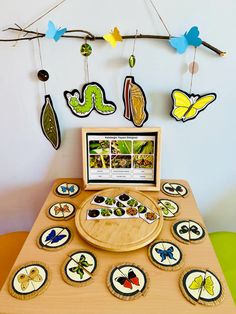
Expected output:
{"points": [[202, 151]]}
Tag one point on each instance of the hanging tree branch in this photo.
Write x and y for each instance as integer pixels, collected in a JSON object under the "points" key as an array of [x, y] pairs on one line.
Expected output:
{"points": [[89, 36]]}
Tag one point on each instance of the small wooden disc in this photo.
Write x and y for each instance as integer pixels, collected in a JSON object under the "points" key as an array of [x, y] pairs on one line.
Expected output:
{"points": [[169, 208], [165, 255], [54, 238], [29, 280], [127, 281], [61, 211], [78, 269], [174, 189], [201, 286], [188, 231], [193, 67], [67, 190]]}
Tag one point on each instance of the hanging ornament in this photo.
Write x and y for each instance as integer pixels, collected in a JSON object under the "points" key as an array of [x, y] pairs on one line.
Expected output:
{"points": [[186, 106], [134, 97], [92, 97], [49, 122], [53, 32], [113, 37], [190, 38], [86, 50]]}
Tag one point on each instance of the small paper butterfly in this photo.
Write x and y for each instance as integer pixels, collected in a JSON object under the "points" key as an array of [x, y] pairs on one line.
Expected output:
{"points": [[113, 37], [80, 268], [24, 279], [55, 238], [128, 281], [190, 38], [54, 33]]}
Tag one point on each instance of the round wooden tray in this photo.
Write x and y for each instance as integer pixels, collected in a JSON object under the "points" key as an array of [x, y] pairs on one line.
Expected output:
{"points": [[118, 235]]}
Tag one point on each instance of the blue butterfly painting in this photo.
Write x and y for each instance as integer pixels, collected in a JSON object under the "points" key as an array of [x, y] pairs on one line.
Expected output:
{"points": [[166, 253], [70, 189], [53, 32], [54, 238], [190, 38]]}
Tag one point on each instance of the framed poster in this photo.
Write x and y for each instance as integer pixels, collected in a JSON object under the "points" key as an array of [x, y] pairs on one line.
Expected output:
{"points": [[118, 157]]}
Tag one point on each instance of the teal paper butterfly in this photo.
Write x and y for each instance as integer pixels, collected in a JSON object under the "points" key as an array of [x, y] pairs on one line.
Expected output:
{"points": [[190, 38], [54, 33]]}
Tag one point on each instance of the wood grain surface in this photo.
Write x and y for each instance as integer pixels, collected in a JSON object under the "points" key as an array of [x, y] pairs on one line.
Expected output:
{"points": [[163, 296]]}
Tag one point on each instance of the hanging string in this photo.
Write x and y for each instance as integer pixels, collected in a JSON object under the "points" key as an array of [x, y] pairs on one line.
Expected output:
{"points": [[161, 19], [86, 66], [193, 69], [41, 62], [134, 43]]}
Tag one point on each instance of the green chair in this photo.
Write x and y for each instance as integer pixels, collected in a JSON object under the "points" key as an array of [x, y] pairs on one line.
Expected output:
{"points": [[224, 244]]}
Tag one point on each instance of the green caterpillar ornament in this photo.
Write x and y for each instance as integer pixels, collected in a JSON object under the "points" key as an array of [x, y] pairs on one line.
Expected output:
{"points": [[92, 97]]}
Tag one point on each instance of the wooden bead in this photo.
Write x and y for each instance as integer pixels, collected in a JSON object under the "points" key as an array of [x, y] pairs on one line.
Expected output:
{"points": [[43, 75]]}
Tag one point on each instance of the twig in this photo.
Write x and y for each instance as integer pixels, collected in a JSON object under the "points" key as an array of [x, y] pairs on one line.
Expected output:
{"points": [[89, 36]]}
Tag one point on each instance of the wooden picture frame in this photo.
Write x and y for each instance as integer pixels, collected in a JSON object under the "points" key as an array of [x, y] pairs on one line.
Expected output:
{"points": [[121, 157]]}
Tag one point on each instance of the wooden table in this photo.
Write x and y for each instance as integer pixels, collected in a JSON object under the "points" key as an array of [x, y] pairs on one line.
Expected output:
{"points": [[163, 296]]}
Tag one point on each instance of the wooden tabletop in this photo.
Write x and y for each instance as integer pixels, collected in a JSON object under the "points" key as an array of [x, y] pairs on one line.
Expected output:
{"points": [[163, 296]]}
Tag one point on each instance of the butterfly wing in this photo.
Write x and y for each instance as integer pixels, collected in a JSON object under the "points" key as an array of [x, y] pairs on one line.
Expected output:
{"points": [[192, 37], [51, 235], [199, 105], [34, 275], [110, 39], [196, 283], [162, 254], [133, 278], [83, 262], [181, 104], [179, 43], [51, 31], [24, 281], [209, 285], [58, 238], [77, 269], [59, 33], [116, 34]]}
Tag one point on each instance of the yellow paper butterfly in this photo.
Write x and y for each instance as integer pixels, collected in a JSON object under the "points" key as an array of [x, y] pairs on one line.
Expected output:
{"points": [[199, 283], [187, 107], [24, 279], [113, 37]]}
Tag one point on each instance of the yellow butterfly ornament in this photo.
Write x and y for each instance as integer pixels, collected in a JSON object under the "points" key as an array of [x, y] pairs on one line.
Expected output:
{"points": [[113, 37], [187, 106]]}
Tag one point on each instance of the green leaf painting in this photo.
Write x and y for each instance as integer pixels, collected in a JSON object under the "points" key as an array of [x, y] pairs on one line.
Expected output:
{"points": [[49, 123]]}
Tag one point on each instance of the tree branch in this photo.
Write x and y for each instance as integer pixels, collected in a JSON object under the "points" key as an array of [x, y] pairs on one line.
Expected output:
{"points": [[89, 36]]}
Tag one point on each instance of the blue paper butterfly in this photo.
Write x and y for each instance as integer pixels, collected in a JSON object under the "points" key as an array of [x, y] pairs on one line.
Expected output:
{"points": [[190, 38], [70, 189], [166, 253], [53, 237], [54, 33]]}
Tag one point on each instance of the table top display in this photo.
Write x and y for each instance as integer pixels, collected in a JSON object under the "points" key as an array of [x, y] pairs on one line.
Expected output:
{"points": [[80, 262]]}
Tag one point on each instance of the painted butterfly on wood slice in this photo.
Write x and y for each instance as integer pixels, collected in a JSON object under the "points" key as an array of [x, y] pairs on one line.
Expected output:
{"points": [[54, 238], [80, 268], [128, 281], [24, 279], [201, 283], [166, 253], [188, 106]]}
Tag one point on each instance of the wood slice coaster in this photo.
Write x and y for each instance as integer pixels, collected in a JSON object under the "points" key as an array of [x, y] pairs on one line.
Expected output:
{"points": [[54, 238], [78, 269], [174, 189], [188, 231], [127, 281], [67, 190], [165, 255], [61, 211], [201, 286], [29, 280], [169, 208], [119, 234]]}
